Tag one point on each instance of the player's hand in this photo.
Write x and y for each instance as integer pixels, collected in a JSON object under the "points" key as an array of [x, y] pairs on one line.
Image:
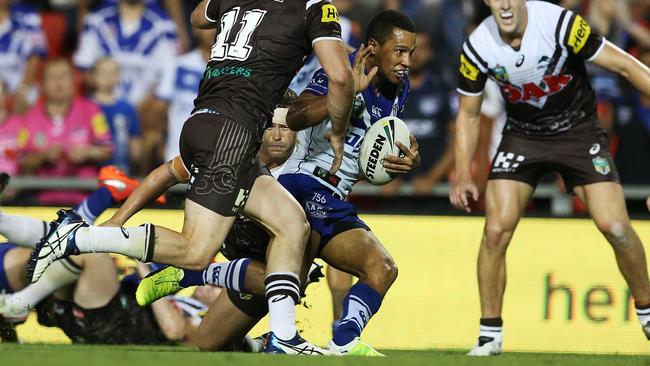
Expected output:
{"points": [[361, 79], [53, 154], [338, 144], [410, 161], [461, 191]]}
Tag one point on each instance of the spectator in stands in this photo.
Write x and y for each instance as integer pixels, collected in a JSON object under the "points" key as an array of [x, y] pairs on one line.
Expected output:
{"points": [[122, 118], [142, 41], [12, 135], [67, 135], [139, 39], [178, 88], [429, 118], [22, 47]]}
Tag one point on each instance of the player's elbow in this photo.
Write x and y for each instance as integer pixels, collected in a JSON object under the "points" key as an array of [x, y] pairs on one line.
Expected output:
{"points": [[341, 78], [197, 18]]}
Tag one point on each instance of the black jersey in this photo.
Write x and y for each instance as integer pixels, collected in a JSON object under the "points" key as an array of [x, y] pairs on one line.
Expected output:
{"points": [[544, 82], [260, 46]]}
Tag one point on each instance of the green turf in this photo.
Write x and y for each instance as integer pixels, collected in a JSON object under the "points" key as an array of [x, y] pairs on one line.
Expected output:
{"points": [[54, 355]]}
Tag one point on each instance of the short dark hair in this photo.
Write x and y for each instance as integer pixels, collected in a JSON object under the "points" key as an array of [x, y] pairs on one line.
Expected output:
{"points": [[382, 24], [287, 99]]}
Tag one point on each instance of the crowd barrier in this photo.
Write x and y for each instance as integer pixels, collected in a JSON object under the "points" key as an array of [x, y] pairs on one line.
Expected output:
{"points": [[564, 292]]}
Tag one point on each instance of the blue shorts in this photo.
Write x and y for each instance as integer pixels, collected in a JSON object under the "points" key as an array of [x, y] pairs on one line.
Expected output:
{"points": [[326, 212], [4, 281]]}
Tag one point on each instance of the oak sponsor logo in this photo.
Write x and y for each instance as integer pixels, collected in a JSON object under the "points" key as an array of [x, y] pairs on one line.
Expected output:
{"points": [[533, 92]]}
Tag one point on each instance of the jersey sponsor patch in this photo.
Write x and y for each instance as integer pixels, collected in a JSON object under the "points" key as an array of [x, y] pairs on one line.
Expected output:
{"points": [[468, 70], [330, 14], [579, 34]]}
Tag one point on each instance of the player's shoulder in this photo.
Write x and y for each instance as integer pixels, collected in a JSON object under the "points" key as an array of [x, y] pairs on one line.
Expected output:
{"points": [[547, 15]]}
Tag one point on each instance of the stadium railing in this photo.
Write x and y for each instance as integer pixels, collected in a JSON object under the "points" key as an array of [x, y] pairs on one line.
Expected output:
{"points": [[561, 203]]}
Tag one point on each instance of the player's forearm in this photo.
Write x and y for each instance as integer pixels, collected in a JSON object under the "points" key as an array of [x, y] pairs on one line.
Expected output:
{"points": [[339, 104], [198, 19], [170, 320], [466, 137], [637, 74], [30, 162], [155, 184], [306, 111]]}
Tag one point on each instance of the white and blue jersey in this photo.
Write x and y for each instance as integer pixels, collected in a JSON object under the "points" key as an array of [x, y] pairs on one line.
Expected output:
{"points": [[311, 65], [179, 87], [21, 37], [141, 48], [314, 156]]}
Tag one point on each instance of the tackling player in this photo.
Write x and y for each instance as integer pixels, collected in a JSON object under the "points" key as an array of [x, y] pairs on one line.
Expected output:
{"points": [[258, 47], [536, 53]]}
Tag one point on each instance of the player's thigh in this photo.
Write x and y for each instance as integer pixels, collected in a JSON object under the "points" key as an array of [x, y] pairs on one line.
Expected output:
{"points": [[505, 202], [204, 229], [273, 206], [97, 283], [223, 325], [13, 263], [605, 201], [356, 251]]}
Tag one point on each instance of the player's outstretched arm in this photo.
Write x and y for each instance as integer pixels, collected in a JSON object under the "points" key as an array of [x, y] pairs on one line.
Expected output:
{"points": [[155, 184], [616, 60], [467, 130], [333, 57]]}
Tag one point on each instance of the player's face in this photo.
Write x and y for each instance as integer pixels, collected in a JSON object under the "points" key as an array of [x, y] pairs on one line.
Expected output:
{"points": [[57, 82], [423, 53], [510, 15], [106, 75], [393, 57], [278, 140], [4, 4]]}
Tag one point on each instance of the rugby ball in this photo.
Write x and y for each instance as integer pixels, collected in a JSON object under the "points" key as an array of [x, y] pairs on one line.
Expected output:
{"points": [[378, 142]]}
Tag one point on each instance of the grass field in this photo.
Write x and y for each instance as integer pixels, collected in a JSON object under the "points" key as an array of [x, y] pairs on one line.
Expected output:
{"points": [[55, 355]]}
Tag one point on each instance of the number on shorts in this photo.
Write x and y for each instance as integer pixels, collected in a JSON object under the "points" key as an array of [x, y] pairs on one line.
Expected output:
{"points": [[239, 49]]}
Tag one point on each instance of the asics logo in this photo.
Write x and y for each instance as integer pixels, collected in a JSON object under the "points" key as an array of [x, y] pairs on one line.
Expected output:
{"points": [[124, 232], [301, 350], [279, 298]]}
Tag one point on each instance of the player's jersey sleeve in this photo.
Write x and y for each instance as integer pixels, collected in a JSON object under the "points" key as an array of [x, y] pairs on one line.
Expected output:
{"points": [[212, 11], [579, 39], [318, 84], [322, 21], [471, 76]]}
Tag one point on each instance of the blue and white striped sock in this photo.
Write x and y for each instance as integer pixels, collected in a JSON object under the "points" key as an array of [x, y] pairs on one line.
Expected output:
{"points": [[229, 275], [95, 204], [359, 306]]}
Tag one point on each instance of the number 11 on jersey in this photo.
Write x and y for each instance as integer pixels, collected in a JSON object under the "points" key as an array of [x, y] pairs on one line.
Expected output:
{"points": [[239, 49]]}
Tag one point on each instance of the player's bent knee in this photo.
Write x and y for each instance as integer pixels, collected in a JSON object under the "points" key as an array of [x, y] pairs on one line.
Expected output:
{"points": [[616, 231], [196, 260], [496, 237]]}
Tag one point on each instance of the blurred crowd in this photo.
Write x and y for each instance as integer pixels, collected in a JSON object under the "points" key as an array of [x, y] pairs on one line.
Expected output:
{"points": [[88, 83]]}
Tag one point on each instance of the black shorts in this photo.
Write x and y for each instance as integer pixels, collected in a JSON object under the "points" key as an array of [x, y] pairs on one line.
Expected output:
{"points": [[581, 158], [221, 156], [254, 306], [121, 321]]}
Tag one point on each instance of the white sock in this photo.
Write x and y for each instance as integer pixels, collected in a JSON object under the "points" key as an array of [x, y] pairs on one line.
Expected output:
{"points": [[230, 275], [23, 231], [491, 332], [644, 315], [282, 294], [59, 274], [134, 242]]}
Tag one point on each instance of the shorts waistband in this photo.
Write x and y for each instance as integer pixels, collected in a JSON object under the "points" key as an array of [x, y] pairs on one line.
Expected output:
{"points": [[204, 110]]}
